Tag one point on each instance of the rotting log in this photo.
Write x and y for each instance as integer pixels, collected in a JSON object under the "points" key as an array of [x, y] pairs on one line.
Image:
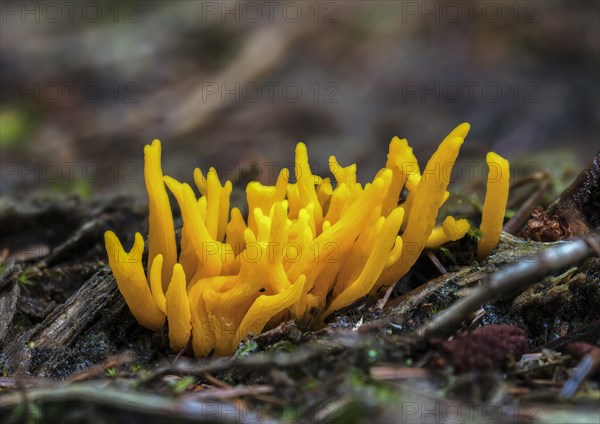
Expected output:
{"points": [[91, 325]]}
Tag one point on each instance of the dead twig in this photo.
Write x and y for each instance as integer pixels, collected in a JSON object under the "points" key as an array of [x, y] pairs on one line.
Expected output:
{"points": [[232, 392], [382, 302], [98, 369], [27, 382], [520, 217], [256, 362], [586, 367], [385, 373], [436, 263], [227, 390], [185, 409]]}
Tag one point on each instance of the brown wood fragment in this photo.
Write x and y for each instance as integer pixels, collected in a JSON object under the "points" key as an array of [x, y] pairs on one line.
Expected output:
{"points": [[575, 213]]}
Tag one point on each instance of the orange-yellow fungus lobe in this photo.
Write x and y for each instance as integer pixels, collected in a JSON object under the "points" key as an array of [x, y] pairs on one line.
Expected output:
{"points": [[178, 310], [451, 230], [494, 206], [131, 280], [161, 231]]}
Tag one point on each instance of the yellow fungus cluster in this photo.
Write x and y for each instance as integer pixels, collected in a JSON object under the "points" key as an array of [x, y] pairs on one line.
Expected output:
{"points": [[307, 248]]}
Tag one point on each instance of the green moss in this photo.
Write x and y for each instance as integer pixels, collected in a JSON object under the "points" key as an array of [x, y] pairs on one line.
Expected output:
{"points": [[435, 309], [368, 389], [282, 346], [448, 256], [182, 384], [24, 279], [135, 368], [475, 233], [245, 349]]}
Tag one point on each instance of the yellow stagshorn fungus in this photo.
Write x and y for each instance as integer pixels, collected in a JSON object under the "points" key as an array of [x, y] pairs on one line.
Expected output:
{"points": [[494, 206], [307, 249]]}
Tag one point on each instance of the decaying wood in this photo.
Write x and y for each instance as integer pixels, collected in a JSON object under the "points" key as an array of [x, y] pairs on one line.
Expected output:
{"points": [[97, 303], [511, 249], [9, 292], [583, 196], [576, 212], [509, 280]]}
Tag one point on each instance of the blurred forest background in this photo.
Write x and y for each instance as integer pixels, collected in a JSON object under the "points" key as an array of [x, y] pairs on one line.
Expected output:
{"points": [[236, 84]]}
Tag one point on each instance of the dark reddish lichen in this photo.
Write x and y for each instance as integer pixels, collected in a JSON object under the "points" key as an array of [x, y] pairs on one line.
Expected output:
{"points": [[491, 347]]}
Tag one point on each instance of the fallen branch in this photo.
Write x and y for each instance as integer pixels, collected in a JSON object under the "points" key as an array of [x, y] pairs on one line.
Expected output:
{"points": [[586, 367], [93, 399]]}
